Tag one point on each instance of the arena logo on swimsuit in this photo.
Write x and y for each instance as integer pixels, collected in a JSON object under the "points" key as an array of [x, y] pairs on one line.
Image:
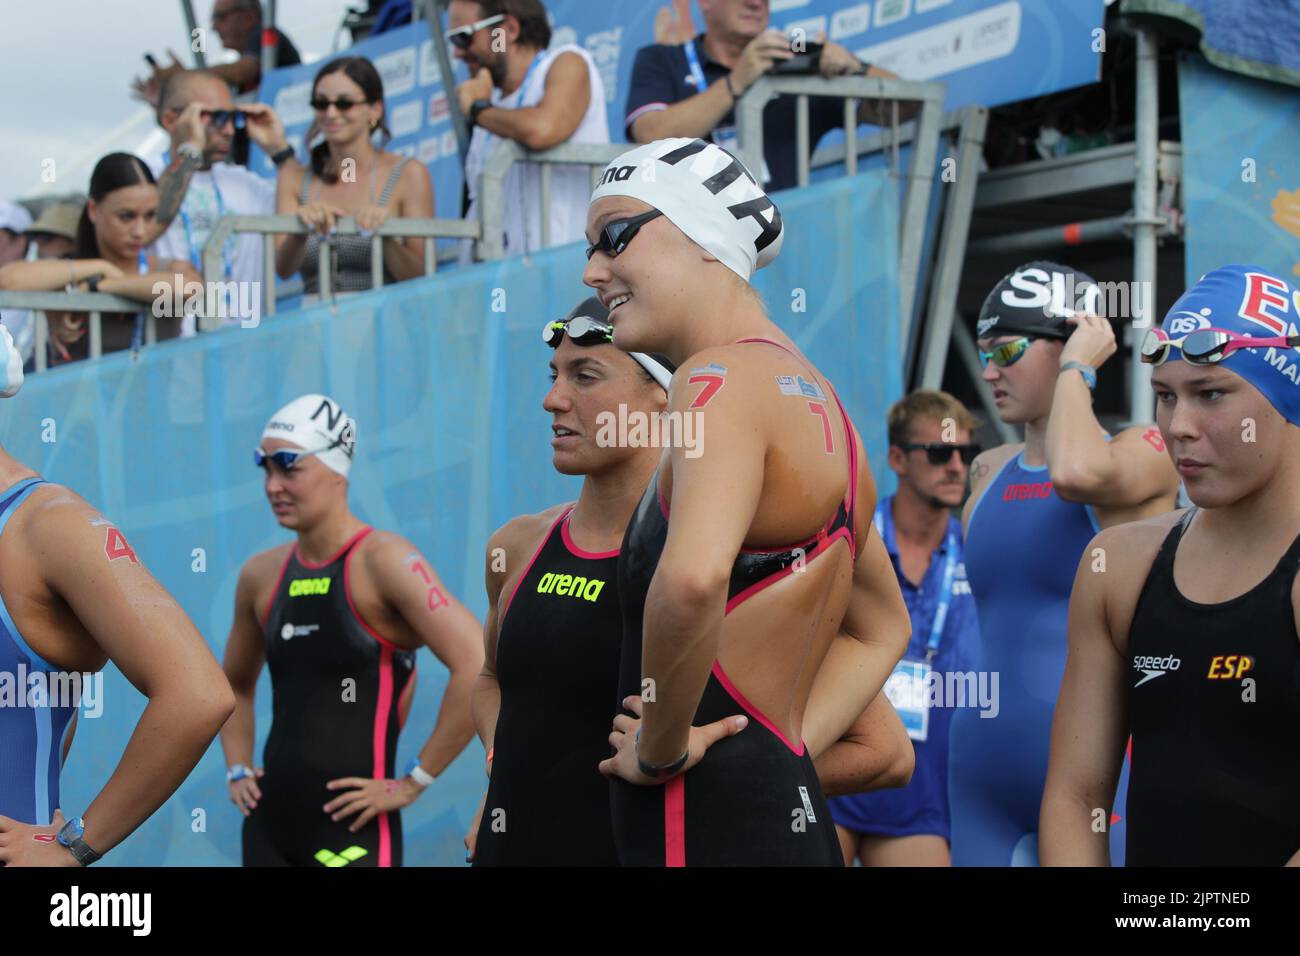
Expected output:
{"points": [[1026, 490], [570, 585], [305, 587]]}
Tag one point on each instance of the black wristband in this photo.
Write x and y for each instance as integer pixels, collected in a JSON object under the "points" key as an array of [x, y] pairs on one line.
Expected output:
{"points": [[283, 156], [731, 89], [477, 107]]}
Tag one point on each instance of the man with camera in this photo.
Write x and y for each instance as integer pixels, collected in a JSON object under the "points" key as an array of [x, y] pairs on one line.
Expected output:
{"points": [[691, 90]]}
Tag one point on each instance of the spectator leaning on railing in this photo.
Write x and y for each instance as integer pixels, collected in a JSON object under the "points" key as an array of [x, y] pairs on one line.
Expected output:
{"points": [[14, 220], [109, 256], [350, 176], [540, 98], [691, 90], [197, 186], [52, 236]]}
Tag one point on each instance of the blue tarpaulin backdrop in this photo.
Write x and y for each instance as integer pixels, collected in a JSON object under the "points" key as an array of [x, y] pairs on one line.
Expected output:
{"points": [[452, 442]]}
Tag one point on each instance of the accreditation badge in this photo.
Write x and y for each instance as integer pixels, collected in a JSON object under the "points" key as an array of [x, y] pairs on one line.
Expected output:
{"points": [[906, 690]]}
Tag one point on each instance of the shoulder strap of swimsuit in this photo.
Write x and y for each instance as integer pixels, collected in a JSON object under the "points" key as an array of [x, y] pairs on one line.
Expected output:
{"points": [[392, 181], [1164, 561]]}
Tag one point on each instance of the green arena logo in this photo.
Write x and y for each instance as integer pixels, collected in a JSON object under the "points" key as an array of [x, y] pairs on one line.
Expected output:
{"points": [[570, 585], [350, 855], [304, 587]]}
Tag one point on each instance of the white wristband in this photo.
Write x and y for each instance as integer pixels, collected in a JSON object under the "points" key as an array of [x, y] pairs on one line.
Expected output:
{"points": [[420, 776]]}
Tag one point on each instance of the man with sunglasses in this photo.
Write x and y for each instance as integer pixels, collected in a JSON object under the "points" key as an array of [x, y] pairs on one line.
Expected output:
{"points": [[197, 186], [1032, 510], [520, 89], [338, 616], [73, 597], [930, 450], [1188, 642]]}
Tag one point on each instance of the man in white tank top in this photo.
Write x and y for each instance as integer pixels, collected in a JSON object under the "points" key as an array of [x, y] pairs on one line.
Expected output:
{"points": [[520, 90]]}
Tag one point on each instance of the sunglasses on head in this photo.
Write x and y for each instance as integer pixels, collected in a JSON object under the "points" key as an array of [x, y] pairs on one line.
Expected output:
{"points": [[616, 235], [582, 329], [1207, 346], [286, 459], [320, 104], [462, 37], [940, 452]]}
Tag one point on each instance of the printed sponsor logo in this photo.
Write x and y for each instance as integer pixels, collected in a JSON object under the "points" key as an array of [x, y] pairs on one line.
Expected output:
{"points": [[429, 73], [891, 11], [1184, 322], [290, 631], [427, 151], [1265, 302], [1154, 667], [1025, 491], [606, 49], [851, 21], [959, 43], [307, 587], [439, 109], [397, 70], [1229, 666], [405, 119], [809, 27], [570, 585]]}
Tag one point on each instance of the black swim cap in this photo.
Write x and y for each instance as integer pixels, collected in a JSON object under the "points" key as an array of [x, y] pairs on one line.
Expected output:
{"points": [[659, 366], [1036, 299]]}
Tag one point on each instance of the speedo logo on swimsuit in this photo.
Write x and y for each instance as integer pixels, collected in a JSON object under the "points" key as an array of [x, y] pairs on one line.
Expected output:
{"points": [[305, 587], [1027, 490], [1154, 667], [570, 585]]}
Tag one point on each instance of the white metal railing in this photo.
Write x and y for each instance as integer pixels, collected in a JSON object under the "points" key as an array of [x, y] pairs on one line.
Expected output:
{"points": [[94, 303]]}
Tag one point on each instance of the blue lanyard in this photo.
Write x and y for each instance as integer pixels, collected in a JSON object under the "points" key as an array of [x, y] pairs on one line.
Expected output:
{"points": [[137, 336], [196, 254], [884, 520], [693, 61]]}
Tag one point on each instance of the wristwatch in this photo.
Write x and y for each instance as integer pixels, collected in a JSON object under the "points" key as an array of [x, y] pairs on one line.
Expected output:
{"points": [[1088, 372], [190, 151], [417, 773], [478, 106], [283, 156], [70, 837]]}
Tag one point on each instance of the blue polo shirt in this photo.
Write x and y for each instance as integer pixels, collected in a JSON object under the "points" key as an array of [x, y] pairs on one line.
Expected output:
{"points": [[922, 806], [662, 76]]}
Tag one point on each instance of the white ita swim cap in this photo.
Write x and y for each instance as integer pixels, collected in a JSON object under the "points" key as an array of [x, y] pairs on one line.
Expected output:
{"points": [[316, 423], [706, 193], [11, 365]]}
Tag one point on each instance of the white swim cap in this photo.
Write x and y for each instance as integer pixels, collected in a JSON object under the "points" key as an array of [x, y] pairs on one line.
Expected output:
{"points": [[706, 193], [11, 365], [316, 423]]}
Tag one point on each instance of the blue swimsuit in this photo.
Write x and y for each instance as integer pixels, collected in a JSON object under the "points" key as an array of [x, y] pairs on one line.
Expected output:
{"points": [[1023, 545]]}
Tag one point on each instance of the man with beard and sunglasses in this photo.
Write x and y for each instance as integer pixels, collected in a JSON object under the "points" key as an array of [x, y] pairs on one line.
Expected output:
{"points": [[1033, 508], [338, 616], [554, 627], [520, 89], [197, 184], [1188, 642], [930, 450]]}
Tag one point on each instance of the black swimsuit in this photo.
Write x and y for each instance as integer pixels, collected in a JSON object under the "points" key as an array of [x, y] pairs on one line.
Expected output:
{"points": [[755, 798], [557, 666]]}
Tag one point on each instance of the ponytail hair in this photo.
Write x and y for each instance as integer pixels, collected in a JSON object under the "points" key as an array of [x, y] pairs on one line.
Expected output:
{"points": [[363, 73]]}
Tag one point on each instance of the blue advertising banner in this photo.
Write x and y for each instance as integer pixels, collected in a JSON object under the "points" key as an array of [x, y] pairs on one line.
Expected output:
{"points": [[987, 51], [1241, 170]]}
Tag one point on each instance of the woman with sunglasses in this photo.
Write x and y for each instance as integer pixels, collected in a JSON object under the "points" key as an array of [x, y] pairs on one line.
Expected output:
{"points": [[1189, 641], [350, 176], [1033, 508], [750, 580], [338, 616], [110, 255]]}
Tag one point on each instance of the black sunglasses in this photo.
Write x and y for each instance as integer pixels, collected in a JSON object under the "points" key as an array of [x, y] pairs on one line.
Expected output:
{"points": [[582, 329], [940, 452], [320, 104], [616, 235]]}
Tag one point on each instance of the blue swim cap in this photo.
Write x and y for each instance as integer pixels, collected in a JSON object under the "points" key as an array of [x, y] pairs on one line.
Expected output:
{"points": [[1247, 300]]}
